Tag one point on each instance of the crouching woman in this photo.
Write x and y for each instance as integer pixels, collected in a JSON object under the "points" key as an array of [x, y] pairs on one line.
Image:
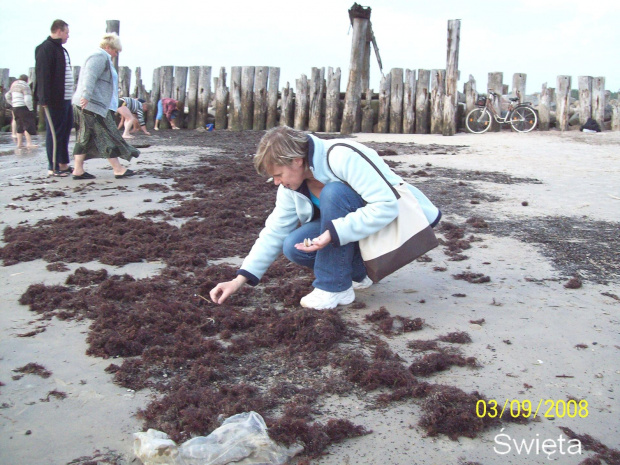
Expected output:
{"points": [[338, 197]]}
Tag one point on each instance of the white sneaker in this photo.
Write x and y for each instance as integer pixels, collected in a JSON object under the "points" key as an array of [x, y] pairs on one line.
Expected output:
{"points": [[363, 284], [323, 300]]}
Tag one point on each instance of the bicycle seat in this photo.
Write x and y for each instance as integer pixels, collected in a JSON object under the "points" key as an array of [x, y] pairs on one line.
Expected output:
{"points": [[514, 99]]}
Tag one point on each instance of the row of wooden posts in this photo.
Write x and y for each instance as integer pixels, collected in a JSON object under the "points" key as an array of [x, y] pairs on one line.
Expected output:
{"points": [[408, 101]]}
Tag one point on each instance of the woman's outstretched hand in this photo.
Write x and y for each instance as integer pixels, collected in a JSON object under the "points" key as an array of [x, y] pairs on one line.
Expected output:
{"points": [[222, 291], [317, 243]]}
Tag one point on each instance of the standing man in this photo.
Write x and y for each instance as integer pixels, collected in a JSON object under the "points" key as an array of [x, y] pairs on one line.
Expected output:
{"points": [[54, 90]]}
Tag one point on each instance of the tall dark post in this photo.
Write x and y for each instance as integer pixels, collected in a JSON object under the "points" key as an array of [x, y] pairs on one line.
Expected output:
{"points": [[113, 25]]}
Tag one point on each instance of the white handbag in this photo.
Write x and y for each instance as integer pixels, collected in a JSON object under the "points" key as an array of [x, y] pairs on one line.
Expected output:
{"points": [[403, 240]]}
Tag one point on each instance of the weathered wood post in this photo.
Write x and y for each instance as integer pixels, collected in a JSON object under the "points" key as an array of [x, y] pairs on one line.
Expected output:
{"points": [[272, 97], [180, 87], [4, 88], [519, 81], [385, 90], [166, 90], [332, 100], [113, 25], [76, 76], [234, 122], [352, 113], [423, 102], [396, 101], [495, 84], [409, 102], [124, 81], [451, 98], [585, 98], [315, 120], [301, 103], [221, 101], [204, 96], [155, 96], [139, 91], [544, 108], [598, 101], [261, 76], [615, 114], [247, 97], [438, 83], [562, 101], [368, 116], [192, 96], [288, 107], [471, 94]]}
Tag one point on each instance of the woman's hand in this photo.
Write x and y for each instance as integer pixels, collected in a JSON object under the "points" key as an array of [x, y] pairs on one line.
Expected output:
{"points": [[222, 291], [83, 102], [317, 243]]}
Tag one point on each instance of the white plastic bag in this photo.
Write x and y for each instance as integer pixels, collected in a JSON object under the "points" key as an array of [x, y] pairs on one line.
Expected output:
{"points": [[242, 439]]}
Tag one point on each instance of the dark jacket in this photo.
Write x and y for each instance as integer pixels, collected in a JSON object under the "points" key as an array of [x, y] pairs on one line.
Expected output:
{"points": [[50, 72]]}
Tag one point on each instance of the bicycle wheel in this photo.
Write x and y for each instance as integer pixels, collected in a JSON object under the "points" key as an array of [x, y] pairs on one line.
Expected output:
{"points": [[478, 120], [523, 119]]}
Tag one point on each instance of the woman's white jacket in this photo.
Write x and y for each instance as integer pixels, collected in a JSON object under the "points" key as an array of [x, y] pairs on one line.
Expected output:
{"points": [[293, 207]]}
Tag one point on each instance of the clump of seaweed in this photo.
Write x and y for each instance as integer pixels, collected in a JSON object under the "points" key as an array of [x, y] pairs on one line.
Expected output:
{"points": [[573, 283], [603, 452], [458, 337], [475, 278], [34, 369], [388, 324], [440, 361]]}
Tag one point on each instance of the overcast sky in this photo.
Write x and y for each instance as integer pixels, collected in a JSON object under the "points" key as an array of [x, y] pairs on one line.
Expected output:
{"points": [[542, 38]]}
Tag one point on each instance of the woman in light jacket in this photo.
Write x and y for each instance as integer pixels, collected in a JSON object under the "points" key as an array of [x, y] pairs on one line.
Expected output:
{"points": [[94, 103], [337, 201]]}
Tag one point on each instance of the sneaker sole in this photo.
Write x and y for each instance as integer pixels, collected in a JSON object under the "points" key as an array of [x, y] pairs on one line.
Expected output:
{"points": [[344, 302]]}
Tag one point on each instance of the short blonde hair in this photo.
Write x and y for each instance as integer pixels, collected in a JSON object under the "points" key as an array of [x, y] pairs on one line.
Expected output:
{"points": [[279, 147], [111, 40]]}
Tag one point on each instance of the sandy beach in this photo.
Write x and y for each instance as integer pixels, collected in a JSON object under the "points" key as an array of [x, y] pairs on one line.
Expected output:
{"points": [[552, 202]]}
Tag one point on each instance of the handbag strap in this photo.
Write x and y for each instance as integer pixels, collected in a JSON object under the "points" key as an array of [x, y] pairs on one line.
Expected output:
{"points": [[365, 157]]}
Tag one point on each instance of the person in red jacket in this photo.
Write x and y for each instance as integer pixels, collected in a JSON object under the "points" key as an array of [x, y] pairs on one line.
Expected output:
{"points": [[170, 108], [53, 90]]}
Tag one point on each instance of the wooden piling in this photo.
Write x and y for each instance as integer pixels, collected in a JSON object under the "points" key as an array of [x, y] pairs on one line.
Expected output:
{"points": [[496, 84], [154, 97], [368, 116], [139, 90], [221, 101], [234, 122], [598, 101], [519, 81], [192, 96], [204, 96], [332, 100], [167, 81], [423, 102], [261, 77], [471, 94], [316, 90], [385, 90], [615, 114], [113, 25], [544, 108], [272, 97], [409, 102], [562, 99], [451, 97], [4, 88], [247, 97], [124, 81], [352, 114], [287, 118], [180, 87], [301, 103], [585, 98], [438, 77], [396, 100]]}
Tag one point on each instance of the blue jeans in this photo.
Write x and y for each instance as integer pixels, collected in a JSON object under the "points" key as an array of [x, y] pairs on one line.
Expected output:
{"points": [[334, 267], [160, 110], [62, 117]]}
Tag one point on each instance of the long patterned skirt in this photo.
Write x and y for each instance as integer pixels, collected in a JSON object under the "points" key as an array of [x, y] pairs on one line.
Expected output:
{"points": [[98, 137]]}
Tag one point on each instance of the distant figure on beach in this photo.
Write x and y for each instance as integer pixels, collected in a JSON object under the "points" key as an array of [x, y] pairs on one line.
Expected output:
{"points": [[132, 116], [53, 91], [19, 97], [170, 108], [94, 103]]}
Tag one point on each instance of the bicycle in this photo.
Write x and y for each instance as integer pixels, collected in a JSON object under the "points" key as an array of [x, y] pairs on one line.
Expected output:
{"points": [[522, 116]]}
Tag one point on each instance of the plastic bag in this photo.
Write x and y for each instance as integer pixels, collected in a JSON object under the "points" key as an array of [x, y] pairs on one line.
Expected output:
{"points": [[242, 439]]}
